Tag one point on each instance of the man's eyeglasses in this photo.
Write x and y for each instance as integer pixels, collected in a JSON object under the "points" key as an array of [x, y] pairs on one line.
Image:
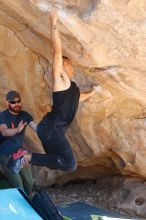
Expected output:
{"points": [[14, 102]]}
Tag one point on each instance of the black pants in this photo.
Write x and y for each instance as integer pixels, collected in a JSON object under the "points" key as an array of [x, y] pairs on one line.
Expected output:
{"points": [[59, 154]]}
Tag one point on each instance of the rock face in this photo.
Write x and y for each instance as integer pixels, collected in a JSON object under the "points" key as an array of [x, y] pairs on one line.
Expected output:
{"points": [[124, 195], [106, 40]]}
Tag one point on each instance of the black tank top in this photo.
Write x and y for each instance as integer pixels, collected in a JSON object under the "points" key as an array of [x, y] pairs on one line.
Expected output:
{"points": [[65, 104]]}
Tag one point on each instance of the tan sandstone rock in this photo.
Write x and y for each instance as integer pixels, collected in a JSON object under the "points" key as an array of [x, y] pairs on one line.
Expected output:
{"points": [[106, 40]]}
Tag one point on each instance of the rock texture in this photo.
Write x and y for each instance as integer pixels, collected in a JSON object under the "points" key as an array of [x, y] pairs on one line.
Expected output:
{"points": [[106, 40], [124, 195]]}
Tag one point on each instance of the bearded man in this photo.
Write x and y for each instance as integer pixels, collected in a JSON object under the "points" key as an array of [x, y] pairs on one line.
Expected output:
{"points": [[13, 122]]}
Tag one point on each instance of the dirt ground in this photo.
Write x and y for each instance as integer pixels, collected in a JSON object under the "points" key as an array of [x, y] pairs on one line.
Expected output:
{"points": [[84, 192]]}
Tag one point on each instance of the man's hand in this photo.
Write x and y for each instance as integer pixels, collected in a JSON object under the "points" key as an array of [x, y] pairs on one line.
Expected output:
{"points": [[21, 126], [85, 95], [53, 15], [9, 132], [3, 126]]}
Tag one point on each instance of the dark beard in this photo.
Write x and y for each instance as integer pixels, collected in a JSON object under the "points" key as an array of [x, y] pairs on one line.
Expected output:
{"points": [[15, 109]]}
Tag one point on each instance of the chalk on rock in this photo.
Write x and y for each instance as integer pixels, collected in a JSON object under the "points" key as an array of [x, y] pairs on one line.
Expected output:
{"points": [[45, 7]]}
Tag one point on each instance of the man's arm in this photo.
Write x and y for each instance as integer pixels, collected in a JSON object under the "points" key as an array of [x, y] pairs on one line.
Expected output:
{"points": [[86, 95], [9, 132], [56, 43], [33, 126]]}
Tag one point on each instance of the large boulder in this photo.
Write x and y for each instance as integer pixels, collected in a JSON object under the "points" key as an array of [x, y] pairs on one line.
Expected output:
{"points": [[106, 41]]}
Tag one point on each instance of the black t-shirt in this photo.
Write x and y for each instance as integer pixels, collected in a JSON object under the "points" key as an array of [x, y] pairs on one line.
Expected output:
{"points": [[65, 104], [8, 145]]}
